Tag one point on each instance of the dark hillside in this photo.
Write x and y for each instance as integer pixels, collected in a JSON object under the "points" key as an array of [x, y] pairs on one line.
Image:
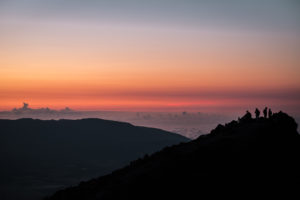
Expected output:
{"points": [[39, 157], [250, 156]]}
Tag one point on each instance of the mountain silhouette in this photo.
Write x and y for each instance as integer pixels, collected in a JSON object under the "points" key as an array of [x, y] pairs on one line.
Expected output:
{"points": [[38, 157], [245, 157]]}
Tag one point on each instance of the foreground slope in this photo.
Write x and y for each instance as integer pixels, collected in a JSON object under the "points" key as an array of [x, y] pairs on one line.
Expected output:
{"points": [[251, 155], [39, 157]]}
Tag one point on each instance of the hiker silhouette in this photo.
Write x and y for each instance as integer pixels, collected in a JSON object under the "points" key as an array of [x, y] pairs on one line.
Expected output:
{"points": [[270, 113], [257, 113], [265, 112]]}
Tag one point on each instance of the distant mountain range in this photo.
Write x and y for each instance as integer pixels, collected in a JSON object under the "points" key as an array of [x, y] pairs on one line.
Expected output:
{"points": [[244, 157], [39, 157], [188, 124]]}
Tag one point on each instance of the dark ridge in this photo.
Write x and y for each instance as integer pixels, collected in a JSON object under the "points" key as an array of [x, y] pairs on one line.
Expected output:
{"points": [[39, 157], [245, 157]]}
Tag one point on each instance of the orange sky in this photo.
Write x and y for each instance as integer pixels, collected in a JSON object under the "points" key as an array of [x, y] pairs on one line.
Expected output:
{"points": [[115, 66]]}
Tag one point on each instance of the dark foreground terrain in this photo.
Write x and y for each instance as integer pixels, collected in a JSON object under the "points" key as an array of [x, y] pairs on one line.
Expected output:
{"points": [[245, 157], [39, 157]]}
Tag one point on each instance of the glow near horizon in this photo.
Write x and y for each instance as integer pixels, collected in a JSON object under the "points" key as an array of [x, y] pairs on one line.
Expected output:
{"points": [[94, 56]]}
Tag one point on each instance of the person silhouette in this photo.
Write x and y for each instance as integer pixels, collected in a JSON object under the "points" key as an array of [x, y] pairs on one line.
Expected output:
{"points": [[257, 113], [270, 113], [265, 112]]}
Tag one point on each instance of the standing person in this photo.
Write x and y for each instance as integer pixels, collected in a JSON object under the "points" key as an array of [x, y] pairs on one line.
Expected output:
{"points": [[265, 112], [270, 113], [257, 113]]}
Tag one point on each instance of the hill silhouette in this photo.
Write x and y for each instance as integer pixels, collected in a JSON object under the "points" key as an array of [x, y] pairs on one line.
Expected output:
{"points": [[248, 156], [39, 157]]}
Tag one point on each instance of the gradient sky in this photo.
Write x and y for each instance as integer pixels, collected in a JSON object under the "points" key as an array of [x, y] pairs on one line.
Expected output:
{"points": [[150, 55]]}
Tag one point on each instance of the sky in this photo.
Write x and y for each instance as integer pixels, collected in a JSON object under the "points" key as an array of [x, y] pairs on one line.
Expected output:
{"points": [[193, 55]]}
